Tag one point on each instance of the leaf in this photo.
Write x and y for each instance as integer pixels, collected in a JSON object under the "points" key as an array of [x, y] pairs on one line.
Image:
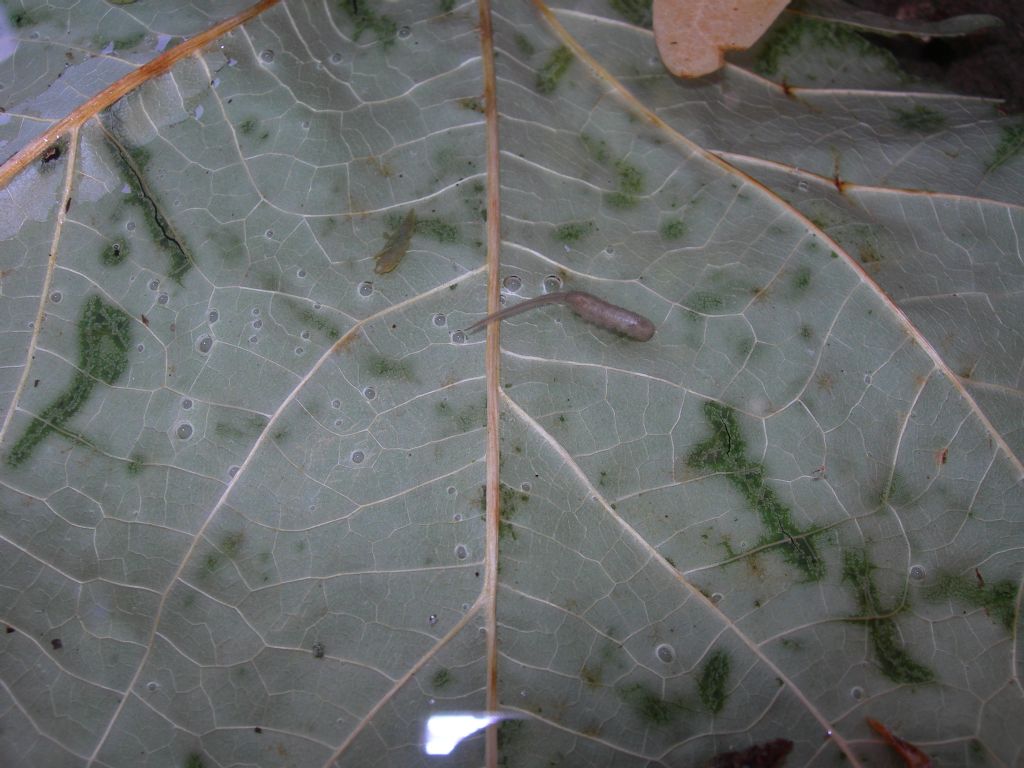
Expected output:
{"points": [[844, 13], [276, 509]]}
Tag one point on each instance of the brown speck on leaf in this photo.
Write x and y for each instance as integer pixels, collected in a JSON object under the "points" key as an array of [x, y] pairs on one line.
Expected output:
{"points": [[145, 320], [35, 383], [978, 576], [51, 153], [56, 643]]}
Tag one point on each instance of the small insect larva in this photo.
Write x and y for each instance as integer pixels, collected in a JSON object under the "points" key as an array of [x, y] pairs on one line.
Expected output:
{"points": [[394, 249], [592, 309]]}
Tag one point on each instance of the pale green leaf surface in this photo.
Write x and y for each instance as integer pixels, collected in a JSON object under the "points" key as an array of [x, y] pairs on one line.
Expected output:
{"points": [[845, 13], [798, 482]]}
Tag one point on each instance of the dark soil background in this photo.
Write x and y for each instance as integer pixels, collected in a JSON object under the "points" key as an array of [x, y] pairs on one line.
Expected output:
{"points": [[987, 63]]}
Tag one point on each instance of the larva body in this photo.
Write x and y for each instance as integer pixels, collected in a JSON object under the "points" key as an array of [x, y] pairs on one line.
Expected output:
{"points": [[592, 309]]}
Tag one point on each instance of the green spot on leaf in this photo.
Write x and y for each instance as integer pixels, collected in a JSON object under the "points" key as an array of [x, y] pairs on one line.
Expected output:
{"points": [[892, 657], [104, 335], [1010, 145], [573, 231], [919, 119], [231, 544], [440, 230], [553, 70], [673, 229], [649, 705], [725, 453], [999, 599], [634, 11], [114, 253], [390, 369], [714, 679], [441, 678]]}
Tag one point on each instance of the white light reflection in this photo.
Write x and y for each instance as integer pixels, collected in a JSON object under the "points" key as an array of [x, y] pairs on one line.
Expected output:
{"points": [[443, 732]]}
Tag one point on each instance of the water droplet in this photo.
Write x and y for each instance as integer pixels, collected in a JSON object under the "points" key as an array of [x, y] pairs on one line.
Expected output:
{"points": [[253, 340], [461, 552], [857, 693], [152, 685], [232, 471], [56, 296], [257, 324], [335, 58], [205, 344], [369, 393], [357, 457], [266, 56], [717, 598], [802, 186], [186, 404], [305, 125], [451, 490], [432, 619], [551, 283], [317, 306], [665, 653], [404, 32], [465, 607], [214, 316], [299, 351], [255, 311], [828, 734], [431, 702], [163, 298], [459, 337], [867, 378], [335, 404], [141, 348], [198, 112], [440, 320], [512, 283], [522, 693], [301, 273], [215, 82], [130, 226], [304, 334], [525, 487], [457, 518], [154, 284], [269, 234], [365, 288], [917, 572], [184, 431]]}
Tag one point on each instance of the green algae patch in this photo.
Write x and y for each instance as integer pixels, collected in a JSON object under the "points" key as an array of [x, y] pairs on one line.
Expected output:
{"points": [[1010, 145], [919, 119], [114, 254], [573, 231], [893, 659], [673, 229], [554, 70], [132, 162], [649, 706], [802, 34], [999, 600], [365, 19], [634, 11], [438, 229], [725, 453], [104, 336], [714, 680]]}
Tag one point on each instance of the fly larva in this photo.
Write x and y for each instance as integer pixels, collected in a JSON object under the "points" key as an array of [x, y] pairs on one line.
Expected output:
{"points": [[586, 305], [394, 249]]}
